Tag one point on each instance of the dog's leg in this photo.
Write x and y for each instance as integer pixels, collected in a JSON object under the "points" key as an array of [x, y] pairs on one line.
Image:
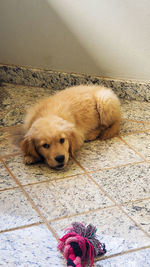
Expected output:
{"points": [[94, 134], [28, 159], [111, 131]]}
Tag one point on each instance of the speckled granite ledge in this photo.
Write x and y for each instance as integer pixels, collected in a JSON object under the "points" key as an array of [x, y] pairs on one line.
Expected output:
{"points": [[132, 90]]}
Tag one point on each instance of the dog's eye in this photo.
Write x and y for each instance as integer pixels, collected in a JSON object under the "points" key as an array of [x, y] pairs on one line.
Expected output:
{"points": [[62, 140], [46, 146]]}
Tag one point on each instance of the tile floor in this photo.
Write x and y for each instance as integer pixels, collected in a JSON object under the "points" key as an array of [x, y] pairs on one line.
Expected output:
{"points": [[106, 184]]}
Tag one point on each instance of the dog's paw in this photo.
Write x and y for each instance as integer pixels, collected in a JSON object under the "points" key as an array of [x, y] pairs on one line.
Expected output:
{"points": [[107, 135], [91, 136], [29, 160]]}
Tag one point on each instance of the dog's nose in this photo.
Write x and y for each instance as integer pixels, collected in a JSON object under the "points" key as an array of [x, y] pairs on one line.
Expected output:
{"points": [[60, 158]]}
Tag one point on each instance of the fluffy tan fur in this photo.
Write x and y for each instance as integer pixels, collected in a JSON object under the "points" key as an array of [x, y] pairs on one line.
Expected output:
{"points": [[59, 125]]}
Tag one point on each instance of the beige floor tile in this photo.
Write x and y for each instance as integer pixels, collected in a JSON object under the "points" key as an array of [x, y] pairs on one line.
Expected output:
{"points": [[68, 192], [125, 184], [103, 154], [137, 259], [5, 179], [140, 212], [66, 197], [129, 127], [11, 110], [141, 142], [15, 210], [29, 174], [5, 146], [114, 229], [135, 110], [33, 246]]}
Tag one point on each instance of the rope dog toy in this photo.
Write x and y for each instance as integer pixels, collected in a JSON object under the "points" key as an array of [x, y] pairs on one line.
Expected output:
{"points": [[80, 245]]}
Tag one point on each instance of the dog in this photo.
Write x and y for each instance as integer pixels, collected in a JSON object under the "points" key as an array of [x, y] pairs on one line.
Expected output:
{"points": [[59, 125]]}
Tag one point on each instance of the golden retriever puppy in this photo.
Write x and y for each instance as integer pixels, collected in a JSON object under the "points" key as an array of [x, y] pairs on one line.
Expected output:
{"points": [[59, 125]]}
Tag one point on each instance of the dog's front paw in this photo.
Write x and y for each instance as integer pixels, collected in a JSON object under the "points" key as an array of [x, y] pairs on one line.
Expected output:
{"points": [[29, 160]]}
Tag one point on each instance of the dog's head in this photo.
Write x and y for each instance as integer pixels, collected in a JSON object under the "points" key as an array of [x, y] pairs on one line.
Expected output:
{"points": [[52, 139]]}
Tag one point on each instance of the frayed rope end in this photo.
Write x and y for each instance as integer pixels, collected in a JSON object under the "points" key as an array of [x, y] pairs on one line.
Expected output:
{"points": [[80, 245]]}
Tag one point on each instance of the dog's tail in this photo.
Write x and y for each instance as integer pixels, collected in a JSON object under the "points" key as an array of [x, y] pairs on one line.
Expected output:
{"points": [[16, 135], [108, 106]]}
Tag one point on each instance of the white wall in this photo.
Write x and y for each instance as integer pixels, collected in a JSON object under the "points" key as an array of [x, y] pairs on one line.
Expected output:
{"points": [[109, 38]]}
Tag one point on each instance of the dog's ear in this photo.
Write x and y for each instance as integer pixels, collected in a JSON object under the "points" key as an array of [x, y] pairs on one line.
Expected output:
{"points": [[30, 153], [75, 141]]}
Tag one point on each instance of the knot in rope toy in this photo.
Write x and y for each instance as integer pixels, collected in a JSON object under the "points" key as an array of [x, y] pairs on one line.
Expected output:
{"points": [[80, 245]]}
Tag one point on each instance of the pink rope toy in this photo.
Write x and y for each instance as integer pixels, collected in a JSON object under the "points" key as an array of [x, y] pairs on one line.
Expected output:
{"points": [[80, 245]]}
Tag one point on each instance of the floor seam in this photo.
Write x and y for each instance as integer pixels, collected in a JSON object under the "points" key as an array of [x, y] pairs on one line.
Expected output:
{"points": [[7, 189], [32, 203], [131, 120], [135, 132], [121, 253], [117, 167], [54, 180], [80, 214], [131, 147], [121, 208], [74, 175], [20, 227], [116, 204]]}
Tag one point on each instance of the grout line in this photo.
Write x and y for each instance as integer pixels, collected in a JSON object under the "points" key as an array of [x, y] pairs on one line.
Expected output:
{"points": [[135, 201], [135, 132], [120, 207], [116, 167], [32, 203], [54, 180], [48, 180], [144, 122], [101, 169], [78, 174], [71, 216], [80, 214], [131, 147], [20, 227], [5, 156], [26, 194], [121, 253], [116, 204], [95, 210], [53, 220], [7, 189]]}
